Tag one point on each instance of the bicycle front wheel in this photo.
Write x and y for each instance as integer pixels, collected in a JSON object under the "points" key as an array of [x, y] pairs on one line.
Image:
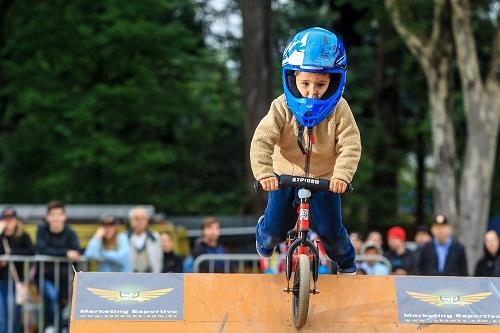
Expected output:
{"points": [[301, 285]]}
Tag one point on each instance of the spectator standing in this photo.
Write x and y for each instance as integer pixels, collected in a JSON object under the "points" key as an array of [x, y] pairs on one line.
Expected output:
{"points": [[422, 236], [145, 244], [109, 248], [372, 266], [398, 254], [443, 255], [209, 244], [56, 238], [13, 240], [172, 263], [489, 264]]}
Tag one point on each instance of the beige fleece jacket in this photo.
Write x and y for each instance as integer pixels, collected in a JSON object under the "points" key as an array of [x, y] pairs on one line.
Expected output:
{"points": [[335, 153]]}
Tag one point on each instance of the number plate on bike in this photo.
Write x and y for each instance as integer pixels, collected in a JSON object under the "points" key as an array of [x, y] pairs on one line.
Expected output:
{"points": [[304, 214]]}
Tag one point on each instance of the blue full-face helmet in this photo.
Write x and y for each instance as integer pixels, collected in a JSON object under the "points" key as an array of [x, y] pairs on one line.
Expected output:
{"points": [[315, 50]]}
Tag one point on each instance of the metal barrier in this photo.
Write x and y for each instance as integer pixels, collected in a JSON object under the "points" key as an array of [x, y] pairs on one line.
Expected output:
{"points": [[40, 262], [242, 258]]}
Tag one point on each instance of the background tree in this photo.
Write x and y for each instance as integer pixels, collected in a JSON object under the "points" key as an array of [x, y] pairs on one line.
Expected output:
{"points": [[118, 103], [257, 73], [482, 110], [467, 205], [435, 55]]}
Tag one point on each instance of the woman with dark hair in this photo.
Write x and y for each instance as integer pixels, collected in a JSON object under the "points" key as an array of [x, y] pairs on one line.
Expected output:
{"points": [[109, 248], [489, 264], [13, 241]]}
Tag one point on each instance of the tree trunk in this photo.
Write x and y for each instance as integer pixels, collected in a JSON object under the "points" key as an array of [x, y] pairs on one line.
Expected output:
{"points": [[435, 57], [383, 207], [420, 177], [482, 110], [257, 71], [443, 140]]}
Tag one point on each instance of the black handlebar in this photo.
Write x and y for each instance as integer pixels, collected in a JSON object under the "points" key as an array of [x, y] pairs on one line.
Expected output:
{"points": [[313, 184]]}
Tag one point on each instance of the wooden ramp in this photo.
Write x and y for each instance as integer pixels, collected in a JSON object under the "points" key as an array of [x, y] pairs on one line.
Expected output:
{"points": [[255, 303]]}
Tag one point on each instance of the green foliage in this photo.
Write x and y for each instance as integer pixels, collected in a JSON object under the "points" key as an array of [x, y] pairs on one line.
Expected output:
{"points": [[118, 102]]}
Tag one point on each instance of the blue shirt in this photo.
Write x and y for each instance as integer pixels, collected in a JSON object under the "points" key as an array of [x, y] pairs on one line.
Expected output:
{"points": [[117, 260], [377, 268], [442, 252]]}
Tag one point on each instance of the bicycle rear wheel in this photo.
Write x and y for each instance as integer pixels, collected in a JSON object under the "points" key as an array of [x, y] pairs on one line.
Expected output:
{"points": [[301, 285]]}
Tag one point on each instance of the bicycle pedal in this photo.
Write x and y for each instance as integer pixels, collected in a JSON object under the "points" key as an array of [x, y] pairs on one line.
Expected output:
{"points": [[287, 290], [314, 292]]}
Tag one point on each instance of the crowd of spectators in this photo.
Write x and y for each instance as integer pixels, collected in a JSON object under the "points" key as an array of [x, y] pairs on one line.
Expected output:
{"points": [[139, 249], [432, 251]]}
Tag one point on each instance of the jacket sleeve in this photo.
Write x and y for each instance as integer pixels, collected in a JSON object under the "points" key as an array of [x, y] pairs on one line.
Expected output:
{"points": [[266, 136], [74, 242], [347, 143], [93, 250]]}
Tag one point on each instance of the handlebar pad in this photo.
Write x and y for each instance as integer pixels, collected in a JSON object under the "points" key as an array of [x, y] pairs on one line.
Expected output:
{"points": [[314, 184]]}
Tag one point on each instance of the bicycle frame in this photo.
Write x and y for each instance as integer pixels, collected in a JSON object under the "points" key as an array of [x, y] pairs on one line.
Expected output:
{"points": [[301, 244]]}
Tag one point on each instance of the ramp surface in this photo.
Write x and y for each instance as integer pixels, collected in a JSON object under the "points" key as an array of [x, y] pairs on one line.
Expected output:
{"points": [[256, 303]]}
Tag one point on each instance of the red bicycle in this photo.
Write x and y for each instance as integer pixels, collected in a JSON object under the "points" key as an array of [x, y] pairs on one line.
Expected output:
{"points": [[302, 255]]}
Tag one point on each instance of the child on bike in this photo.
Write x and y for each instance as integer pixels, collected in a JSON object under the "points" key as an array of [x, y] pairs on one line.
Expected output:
{"points": [[308, 131]]}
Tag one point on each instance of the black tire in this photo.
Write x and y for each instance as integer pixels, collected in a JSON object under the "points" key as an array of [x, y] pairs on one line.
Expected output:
{"points": [[301, 285]]}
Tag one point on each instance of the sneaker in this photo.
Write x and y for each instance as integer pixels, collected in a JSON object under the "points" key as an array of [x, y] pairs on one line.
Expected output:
{"points": [[347, 271], [263, 251]]}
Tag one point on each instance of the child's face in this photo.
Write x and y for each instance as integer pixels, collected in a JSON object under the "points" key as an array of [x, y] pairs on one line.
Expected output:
{"points": [[312, 85]]}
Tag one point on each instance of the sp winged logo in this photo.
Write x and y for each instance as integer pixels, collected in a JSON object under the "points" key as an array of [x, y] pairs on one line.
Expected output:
{"points": [[440, 300], [135, 296]]}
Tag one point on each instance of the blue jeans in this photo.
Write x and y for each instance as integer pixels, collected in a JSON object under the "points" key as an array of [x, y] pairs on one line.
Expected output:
{"points": [[5, 299], [51, 304], [280, 216]]}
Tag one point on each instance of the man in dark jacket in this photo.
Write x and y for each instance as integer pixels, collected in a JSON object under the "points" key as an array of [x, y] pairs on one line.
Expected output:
{"points": [[443, 255], [209, 244], [56, 238]]}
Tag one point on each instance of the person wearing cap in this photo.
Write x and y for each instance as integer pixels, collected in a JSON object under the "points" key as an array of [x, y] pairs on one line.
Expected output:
{"points": [[444, 255], [109, 248], [398, 254], [370, 266], [13, 240]]}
